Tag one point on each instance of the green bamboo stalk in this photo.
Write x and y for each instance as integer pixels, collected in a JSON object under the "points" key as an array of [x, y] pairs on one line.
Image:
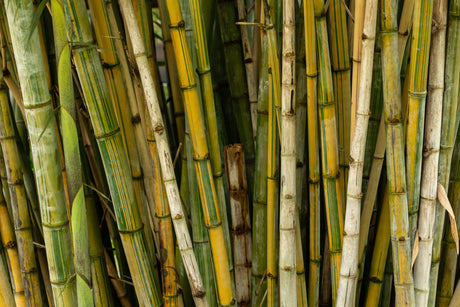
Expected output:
{"points": [[341, 77], [107, 132], [204, 73], [70, 142], [379, 256], [420, 50], [259, 199], [329, 147], [387, 286], [45, 152], [21, 219], [313, 155], [200, 237], [6, 294], [234, 62], [400, 236]]}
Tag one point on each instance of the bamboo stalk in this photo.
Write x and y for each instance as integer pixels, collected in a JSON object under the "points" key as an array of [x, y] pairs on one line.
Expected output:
{"points": [[288, 197], [420, 50], [6, 295], [45, 152], [400, 236], [170, 183], [241, 223], [107, 133], [379, 255], [313, 155], [329, 148], [431, 147], [350, 249], [21, 218], [405, 27], [9, 244], [449, 129], [259, 199]]}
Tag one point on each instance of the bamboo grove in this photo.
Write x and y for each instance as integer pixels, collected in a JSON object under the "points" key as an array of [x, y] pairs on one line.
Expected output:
{"points": [[229, 153]]}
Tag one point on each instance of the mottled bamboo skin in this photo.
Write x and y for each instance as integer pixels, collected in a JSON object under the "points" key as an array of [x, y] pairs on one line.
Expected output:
{"points": [[450, 120], [314, 203], [45, 152], [329, 148], [399, 220]]}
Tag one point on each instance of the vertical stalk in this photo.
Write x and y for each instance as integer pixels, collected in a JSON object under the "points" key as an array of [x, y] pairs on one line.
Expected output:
{"points": [[288, 204], [400, 236], [45, 152], [6, 294], [329, 147]]}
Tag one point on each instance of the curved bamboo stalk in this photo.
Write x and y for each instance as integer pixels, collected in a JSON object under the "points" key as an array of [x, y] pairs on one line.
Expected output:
{"points": [[350, 249], [45, 152], [329, 148], [431, 146], [21, 219], [449, 128], [107, 133], [169, 181], [313, 155], [400, 237], [288, 197]]}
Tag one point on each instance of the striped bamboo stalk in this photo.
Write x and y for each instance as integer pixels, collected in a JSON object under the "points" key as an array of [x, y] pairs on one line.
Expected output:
{"points": [[169, 180], [6, 295], [102, 293], [449, 264], [123, 100], [430, 154], [350, 251], [400, 237], [288, 197], [21, 219], [204, 72], [234, 61], [259, 204], [200, 237], [45, 152], [313, 155], [241, 223], [341, 77], [379, 255], [107, 132], [449, 126], [420, 51], [71, 148], [329, 147], [8, 241]]}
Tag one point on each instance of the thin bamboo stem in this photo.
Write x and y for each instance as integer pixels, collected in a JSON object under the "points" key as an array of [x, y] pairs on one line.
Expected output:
{"points": [[6, 295]]}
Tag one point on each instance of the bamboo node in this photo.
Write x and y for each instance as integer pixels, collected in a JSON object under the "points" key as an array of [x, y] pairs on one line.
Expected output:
{"points": [[178, 216], [402, 239]]}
